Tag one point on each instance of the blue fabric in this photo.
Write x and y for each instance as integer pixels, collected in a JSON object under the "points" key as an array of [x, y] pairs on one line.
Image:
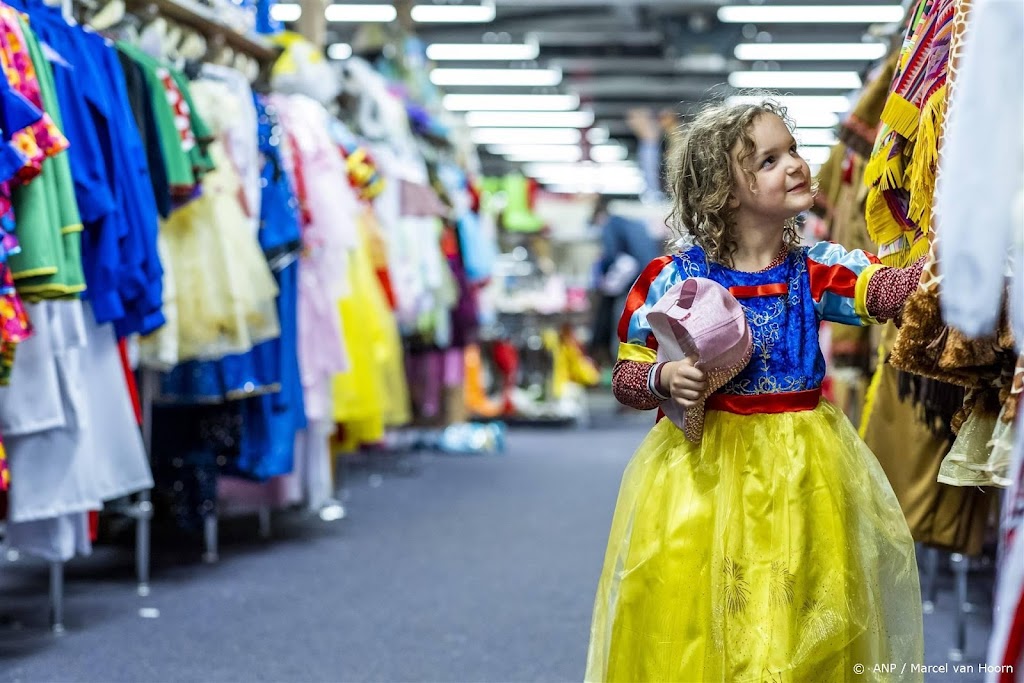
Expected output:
{"points": [[787, 356], [280, 231], [108, 162], [621, 235], [140, 283], [271, 422]]}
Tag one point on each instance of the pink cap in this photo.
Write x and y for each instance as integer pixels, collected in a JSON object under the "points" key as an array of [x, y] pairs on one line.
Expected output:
{"points": [[699, 319]]}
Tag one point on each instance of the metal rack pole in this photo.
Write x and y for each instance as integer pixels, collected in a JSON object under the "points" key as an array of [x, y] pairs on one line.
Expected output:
{"points": [[143, 509], [57, 597]]}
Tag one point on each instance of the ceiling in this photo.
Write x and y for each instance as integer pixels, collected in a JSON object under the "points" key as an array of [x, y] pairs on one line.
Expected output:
{"points": [[618, 55]]}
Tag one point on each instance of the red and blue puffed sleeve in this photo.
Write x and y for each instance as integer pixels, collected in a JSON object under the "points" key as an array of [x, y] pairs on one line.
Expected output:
{"points": [[636, 339], [839, 283]]}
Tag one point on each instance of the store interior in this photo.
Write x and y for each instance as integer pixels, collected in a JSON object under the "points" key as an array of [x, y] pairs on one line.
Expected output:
{"points": [[309, 316]]}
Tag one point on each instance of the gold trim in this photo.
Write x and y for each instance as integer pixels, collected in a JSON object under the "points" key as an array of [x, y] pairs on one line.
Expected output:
{"points": [[637, 353], [35, 272], [860, 294]]}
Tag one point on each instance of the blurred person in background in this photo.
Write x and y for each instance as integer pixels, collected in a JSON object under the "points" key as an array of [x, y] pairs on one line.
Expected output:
{"points": [[626, 246]]}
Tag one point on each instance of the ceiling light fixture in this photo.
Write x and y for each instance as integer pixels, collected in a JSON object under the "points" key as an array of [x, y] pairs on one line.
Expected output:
{"points": [[815, 154], [494, 52], [810, 52], [511, 102], [524, 153], [525, 136], [454, 14], [814, 136], [360, 14], [608, 153], [814, 119], [286, 12], [799, 103], [810, 14], [339, 51], [537, 78], [821, 80], [529, 119]]}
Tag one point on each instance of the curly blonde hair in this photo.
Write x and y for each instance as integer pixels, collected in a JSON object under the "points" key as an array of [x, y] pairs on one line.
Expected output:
{"points": [[701, 175]]}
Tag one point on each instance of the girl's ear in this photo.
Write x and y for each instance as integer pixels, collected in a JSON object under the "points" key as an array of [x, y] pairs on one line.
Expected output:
{"points": [[732, 202]]}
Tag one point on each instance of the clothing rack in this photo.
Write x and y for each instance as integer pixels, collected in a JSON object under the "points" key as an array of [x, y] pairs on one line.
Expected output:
{"points": [[140, 508], [203, 20]]}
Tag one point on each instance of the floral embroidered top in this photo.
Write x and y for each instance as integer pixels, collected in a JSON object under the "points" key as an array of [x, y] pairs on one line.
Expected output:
{"points": [[784, 304]]}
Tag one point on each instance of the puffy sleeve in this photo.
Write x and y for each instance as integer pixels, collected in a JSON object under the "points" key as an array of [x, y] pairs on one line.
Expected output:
{"points": [[636, 340], [839, 283]]}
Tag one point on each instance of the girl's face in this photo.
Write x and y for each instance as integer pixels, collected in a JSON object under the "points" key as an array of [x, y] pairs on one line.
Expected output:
{"points": [[782, 179]]}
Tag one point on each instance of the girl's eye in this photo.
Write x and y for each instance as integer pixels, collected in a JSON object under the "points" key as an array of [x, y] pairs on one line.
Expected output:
{"points": [[767, 162], [793, 150]]}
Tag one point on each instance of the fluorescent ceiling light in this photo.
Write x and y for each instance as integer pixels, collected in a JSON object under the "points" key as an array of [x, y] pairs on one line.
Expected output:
{"points": [[597, 136], [583, 172], [538, 152], [453, 14], [360, 14], [511, 102], [815, 155], [496, 52], [286, 12], [525, 136], [814, 119], [810, 52], [607, 153], [530, 119], [339, 51], [810, 14], [798, 103], [497, 77], [815, 136], [822, 80], [628, 187]]}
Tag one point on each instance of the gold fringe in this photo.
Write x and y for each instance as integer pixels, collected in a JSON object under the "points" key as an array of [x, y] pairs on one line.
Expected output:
{"points": [[875, 167], [923, 164], [901, 116], [882, 226], [893, 173], [871, 395]]}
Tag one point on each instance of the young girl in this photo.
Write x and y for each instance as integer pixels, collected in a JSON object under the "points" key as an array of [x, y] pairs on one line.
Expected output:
{"points": [[774, 549]]}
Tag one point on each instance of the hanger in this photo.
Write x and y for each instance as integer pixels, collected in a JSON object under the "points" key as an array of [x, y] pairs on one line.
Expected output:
{"points": [[110, 15]]}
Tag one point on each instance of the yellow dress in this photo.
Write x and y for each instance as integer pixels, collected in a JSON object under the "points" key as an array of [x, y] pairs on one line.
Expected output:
{"points": [[775, 549], [373, 393]]}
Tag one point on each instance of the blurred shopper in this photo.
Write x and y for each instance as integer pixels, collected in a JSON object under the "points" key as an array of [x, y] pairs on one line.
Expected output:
{"points": [[626, 245]]}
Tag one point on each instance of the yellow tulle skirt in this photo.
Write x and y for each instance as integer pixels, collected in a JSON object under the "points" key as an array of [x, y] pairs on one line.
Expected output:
{"points": [[774, 550]]}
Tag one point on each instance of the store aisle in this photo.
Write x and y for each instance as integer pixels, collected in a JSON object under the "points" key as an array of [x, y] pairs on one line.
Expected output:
{"points": [[462, 569]]}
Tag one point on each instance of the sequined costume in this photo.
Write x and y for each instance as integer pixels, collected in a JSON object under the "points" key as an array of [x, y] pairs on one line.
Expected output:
{"points": [[774, 549]]}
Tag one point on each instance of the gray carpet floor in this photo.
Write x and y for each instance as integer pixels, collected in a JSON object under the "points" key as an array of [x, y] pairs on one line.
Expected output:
{"points": [[446, 569]]}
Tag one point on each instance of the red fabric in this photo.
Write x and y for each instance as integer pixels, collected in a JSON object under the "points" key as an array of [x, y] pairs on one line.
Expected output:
{"points": [[789, 402], [773, 289], [837, 279], [638, 295], [129, 378], [889, 289], [94, 525], [300, 183], [1014, 645], [389, 291], [629, 385]]}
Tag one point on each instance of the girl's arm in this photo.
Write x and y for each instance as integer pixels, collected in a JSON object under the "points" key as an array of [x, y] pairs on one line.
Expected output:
{"points": [[635, 384], [854, 288], [889, 289], [634, 376]]}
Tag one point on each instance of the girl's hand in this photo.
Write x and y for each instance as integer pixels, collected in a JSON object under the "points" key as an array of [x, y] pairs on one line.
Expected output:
{"points": [[684, 382]]}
